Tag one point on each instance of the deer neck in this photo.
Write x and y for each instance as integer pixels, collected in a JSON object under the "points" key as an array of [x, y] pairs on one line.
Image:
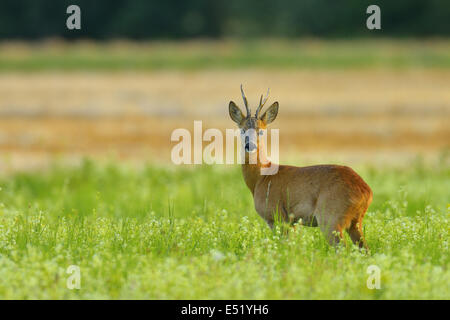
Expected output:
{"points": [[252, 171]]}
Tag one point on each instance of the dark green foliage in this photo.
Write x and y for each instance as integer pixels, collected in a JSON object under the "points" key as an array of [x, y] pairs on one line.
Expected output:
{"points": [[174, 19]]}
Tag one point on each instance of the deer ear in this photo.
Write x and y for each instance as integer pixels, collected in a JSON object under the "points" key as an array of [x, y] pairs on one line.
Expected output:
{"points": [[270, 114], [235, 113]]}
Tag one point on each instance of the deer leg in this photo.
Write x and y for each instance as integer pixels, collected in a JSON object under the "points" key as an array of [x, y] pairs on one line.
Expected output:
{"points": [[331, 230], [327, 224], [334, 235], [356, 234]]}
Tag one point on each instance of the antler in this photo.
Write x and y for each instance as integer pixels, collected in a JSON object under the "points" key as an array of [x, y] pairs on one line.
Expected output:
{"points": [[249, 114], [262, 103]]}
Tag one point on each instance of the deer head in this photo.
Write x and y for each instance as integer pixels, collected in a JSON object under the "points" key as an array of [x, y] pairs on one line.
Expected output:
{"points": [[252, 127]]}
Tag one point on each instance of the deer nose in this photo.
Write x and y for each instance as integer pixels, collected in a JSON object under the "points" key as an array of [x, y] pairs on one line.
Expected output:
{"points": [[249, 146]]}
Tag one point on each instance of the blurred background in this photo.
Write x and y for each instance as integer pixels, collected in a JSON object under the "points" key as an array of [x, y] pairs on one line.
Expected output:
{"points": [[137, 70]]}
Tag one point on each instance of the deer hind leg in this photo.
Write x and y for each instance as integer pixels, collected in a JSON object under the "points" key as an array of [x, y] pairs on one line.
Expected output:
{"points": [[334, 235], [329, 219], [332, 230], [356, 234], [355, 229]]}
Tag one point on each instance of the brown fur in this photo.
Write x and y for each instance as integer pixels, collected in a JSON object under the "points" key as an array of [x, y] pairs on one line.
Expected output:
{"points": [[332, 197]]}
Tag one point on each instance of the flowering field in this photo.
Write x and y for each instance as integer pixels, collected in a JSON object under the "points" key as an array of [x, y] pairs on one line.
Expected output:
{"points": [[157, 233], [127, 223]]}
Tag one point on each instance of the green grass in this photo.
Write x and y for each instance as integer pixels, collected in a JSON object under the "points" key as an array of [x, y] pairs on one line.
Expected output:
{"points": [[177, 233], [276, 54]]}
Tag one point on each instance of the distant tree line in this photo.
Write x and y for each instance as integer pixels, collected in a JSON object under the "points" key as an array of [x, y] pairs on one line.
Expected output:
{"points": [[178, 19]]}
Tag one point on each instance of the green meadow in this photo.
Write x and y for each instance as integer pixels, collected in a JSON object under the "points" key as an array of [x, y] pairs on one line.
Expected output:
{"points": [[195, 55], [154, 232]]}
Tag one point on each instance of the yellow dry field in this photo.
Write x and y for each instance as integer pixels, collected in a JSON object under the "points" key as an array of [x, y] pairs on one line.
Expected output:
{"points": [[365, 115]]}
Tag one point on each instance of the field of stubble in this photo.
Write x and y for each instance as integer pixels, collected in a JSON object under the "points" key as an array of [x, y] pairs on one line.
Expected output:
{"points": [[86, 177]]}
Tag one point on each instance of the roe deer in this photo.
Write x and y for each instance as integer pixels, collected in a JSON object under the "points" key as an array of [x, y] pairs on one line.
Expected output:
{"points": [[332, 197]]}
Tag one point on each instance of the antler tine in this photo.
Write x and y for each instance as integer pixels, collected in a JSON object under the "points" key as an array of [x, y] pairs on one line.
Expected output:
{"points": [[262, 102], [259, 107], [245, 102]]}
